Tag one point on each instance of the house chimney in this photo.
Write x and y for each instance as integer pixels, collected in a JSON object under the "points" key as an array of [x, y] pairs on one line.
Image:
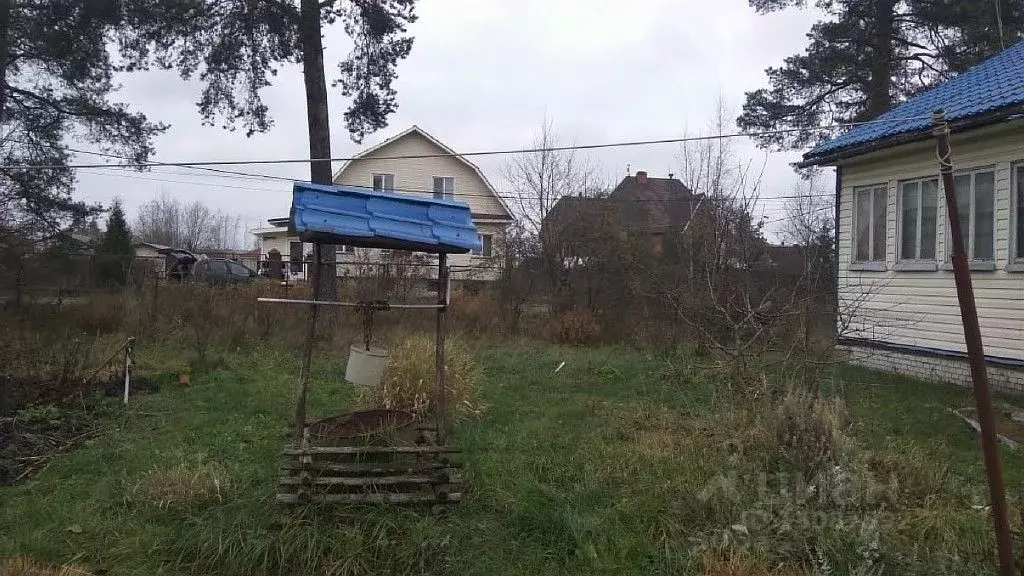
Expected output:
{"points": [[641, 177]]}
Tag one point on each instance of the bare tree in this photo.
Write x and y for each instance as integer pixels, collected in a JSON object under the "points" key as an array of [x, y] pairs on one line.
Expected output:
{"points": [[539, 179], [809, 213], [192, 226]]}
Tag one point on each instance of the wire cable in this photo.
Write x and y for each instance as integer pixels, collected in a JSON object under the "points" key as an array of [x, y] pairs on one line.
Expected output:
{"points": [[117, 173], [621, 144]]}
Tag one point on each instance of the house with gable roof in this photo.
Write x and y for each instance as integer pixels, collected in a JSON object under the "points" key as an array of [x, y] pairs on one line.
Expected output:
{"points": [[898, 308], [411, 162]]}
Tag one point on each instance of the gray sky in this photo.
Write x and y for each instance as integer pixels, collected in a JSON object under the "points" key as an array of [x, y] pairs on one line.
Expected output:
{"points": [[482, 75]]}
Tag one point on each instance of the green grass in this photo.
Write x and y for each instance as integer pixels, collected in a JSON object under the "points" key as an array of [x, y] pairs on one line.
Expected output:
{"points": [[609, 466]]}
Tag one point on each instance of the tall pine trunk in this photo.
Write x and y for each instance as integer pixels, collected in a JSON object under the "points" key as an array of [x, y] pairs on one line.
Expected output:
{"points": [[5, 52], [318, 118], [879, 93]]}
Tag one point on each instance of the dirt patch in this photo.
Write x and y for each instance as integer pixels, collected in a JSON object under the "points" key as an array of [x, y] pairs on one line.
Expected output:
{"points": [[18, 393], [42, 422], [359, 425]]}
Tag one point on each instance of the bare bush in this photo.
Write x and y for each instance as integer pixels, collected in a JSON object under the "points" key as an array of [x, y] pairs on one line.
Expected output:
{"points": [[574, 327]]}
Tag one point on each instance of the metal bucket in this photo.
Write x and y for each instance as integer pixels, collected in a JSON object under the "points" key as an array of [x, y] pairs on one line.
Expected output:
{"points": [[366, 367]]}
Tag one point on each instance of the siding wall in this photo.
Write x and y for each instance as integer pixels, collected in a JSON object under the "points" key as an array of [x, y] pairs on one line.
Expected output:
{"points": [[416, 176], [920, 308], [413, 175]]}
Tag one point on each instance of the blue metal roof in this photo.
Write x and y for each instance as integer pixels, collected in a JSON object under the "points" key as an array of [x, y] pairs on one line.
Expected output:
{"points": [[359, 217], [994, 84]]}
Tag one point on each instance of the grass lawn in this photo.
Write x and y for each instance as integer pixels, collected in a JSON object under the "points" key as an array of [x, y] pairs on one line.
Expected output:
{"points": [[623, 462]]}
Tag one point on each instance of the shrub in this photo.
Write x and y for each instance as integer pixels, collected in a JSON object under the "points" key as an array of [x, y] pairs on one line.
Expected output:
{"points": [[106, 313], [575, 327], [409, 379], [474, 313]]}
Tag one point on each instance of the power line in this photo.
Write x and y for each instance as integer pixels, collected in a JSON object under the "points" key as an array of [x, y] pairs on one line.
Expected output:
{"points": [[218, 172], [621, 144], [504, 196]]}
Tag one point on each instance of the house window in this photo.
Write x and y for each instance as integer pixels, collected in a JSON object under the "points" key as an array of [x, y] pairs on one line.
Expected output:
{"points": [[486, 243], [1018, 213], [346, 249], [444, 187], [295, 257], [919, 208], [976, 205], [869, 215], [383, 182]]}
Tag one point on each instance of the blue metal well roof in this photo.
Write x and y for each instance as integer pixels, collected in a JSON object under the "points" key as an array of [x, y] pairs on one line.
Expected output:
{"points": [[359, 217], [994, 84]]}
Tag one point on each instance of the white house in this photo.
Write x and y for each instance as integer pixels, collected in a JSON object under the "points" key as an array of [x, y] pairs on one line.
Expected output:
{"points": [[411, 162], [898, 303]]}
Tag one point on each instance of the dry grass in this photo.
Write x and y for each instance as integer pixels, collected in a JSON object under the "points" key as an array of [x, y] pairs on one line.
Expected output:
{"points": [[409, 379], [181, 485], [475, 313], [654, 431], [21, 566], [575, 327], [745, 566], [810, 431]]}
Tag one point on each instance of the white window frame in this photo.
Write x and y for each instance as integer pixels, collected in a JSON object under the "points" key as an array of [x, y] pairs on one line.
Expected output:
{"points": [[900, 257], [871, 263], [987, 264], [445, 195], [486, 250], [1016, 262], [345, 249], [383, 183]]}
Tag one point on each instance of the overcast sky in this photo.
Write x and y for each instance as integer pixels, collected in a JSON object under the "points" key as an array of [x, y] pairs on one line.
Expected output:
{"points": [[482, 75]]}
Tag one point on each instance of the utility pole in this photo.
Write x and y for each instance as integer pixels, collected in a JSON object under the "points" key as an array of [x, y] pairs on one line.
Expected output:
{"points": [[975, 350]]}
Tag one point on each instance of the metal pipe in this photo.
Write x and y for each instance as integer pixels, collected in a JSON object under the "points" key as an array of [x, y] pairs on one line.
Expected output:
{"points": [[442, 305], [307, 350], [343, 304], [975, 350]]}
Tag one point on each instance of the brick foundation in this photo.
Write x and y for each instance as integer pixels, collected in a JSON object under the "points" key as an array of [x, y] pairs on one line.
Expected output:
{"points": [[952, 370]]}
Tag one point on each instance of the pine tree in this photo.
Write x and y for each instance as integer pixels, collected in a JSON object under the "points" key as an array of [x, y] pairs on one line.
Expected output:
{"points": [[114, 252], [56, 77], [236, 47], [868, 55], [58, 59]]}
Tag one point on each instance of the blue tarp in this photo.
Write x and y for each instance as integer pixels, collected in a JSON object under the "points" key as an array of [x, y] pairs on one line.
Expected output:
{"points": [[360, 217]]}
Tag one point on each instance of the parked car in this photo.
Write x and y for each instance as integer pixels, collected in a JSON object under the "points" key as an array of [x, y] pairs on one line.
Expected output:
{"points": [[221, 271], [178, 263]]}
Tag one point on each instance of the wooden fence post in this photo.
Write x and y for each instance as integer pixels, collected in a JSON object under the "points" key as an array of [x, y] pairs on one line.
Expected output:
{"points": [[127, 367]]}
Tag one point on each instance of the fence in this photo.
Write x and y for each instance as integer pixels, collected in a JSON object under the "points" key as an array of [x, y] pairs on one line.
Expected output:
{"points": [[652, 303]]}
